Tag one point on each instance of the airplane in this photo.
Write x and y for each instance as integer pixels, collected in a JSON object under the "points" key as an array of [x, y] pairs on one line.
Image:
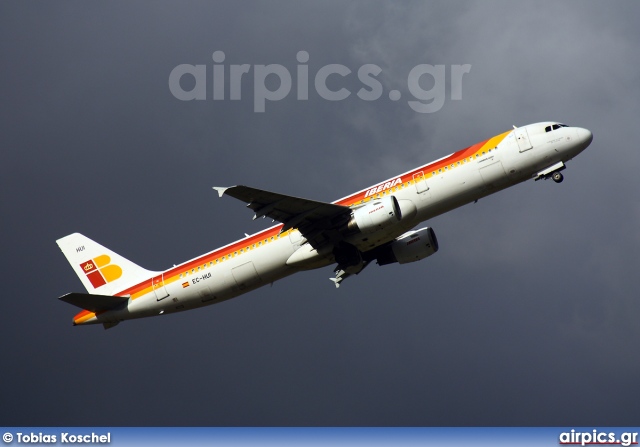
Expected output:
{"points": [[374, 224]]}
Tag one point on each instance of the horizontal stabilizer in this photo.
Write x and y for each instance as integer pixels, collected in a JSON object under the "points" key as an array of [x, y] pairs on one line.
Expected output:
{"points": [[94, 303]]}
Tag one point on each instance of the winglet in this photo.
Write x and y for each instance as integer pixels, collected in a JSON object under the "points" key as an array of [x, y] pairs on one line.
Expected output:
{"points": [[221, 190]]}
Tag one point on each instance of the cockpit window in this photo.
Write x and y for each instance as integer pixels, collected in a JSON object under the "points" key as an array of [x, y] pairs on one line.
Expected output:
{"points": [[554, 127]]}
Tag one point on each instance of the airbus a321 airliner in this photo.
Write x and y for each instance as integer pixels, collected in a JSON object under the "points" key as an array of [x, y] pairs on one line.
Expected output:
{"points": [[373, 224]]}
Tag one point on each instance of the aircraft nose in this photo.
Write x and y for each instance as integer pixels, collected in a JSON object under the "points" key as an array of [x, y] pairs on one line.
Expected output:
{"points": [[585, 137]]}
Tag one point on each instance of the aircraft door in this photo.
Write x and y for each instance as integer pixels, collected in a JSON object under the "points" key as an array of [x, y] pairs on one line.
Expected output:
{"points": [[159, 288], [522, 137], [421, 182], [245, 275], [422, 188]]}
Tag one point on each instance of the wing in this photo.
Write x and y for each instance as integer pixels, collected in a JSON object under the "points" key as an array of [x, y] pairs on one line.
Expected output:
{"points": [[318, 222]]}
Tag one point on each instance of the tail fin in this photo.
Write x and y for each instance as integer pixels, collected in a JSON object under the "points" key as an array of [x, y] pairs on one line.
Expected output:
{"points": [[101, 271]]}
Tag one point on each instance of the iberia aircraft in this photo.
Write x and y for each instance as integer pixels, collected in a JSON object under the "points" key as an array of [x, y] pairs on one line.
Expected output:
{"points": [[374, 224]]}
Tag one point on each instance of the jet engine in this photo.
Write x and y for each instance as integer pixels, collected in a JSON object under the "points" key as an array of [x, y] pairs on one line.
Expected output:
{"points": [[409, 247], [375, 215]]}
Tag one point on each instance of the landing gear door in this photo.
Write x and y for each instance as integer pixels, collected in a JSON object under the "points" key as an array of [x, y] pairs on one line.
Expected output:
{"points": [[157, 283], [522, 137]]}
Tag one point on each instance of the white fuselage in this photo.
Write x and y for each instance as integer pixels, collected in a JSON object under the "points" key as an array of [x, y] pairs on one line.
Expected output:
{"points": [[433, 189]]}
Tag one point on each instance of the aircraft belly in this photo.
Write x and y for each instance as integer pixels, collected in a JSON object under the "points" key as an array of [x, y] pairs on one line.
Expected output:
{"points": [[306, 257]]}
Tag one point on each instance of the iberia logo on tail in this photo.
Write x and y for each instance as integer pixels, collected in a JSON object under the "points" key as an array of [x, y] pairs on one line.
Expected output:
{"points": [[99, 271]]}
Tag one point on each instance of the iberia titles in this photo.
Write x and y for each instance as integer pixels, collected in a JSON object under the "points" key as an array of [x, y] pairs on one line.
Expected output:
{"points": [[383, 186]]}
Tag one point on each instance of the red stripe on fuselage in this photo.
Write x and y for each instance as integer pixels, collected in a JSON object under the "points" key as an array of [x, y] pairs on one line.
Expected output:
{"points": [[274, 231]]}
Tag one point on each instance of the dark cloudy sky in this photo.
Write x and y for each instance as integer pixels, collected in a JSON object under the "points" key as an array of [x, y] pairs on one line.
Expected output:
{"points": [[528, 314]]}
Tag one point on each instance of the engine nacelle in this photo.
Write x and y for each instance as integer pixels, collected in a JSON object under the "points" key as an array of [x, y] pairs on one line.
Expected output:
{"points": [[376, 215], [409, 247]]}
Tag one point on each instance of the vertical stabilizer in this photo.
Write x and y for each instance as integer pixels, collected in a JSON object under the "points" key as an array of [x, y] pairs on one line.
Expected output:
{"points": [[102, 271]]}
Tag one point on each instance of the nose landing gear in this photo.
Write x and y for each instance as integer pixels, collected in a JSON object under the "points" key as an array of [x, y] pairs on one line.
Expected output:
{"points": [[557, 177], [552, 172]]}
